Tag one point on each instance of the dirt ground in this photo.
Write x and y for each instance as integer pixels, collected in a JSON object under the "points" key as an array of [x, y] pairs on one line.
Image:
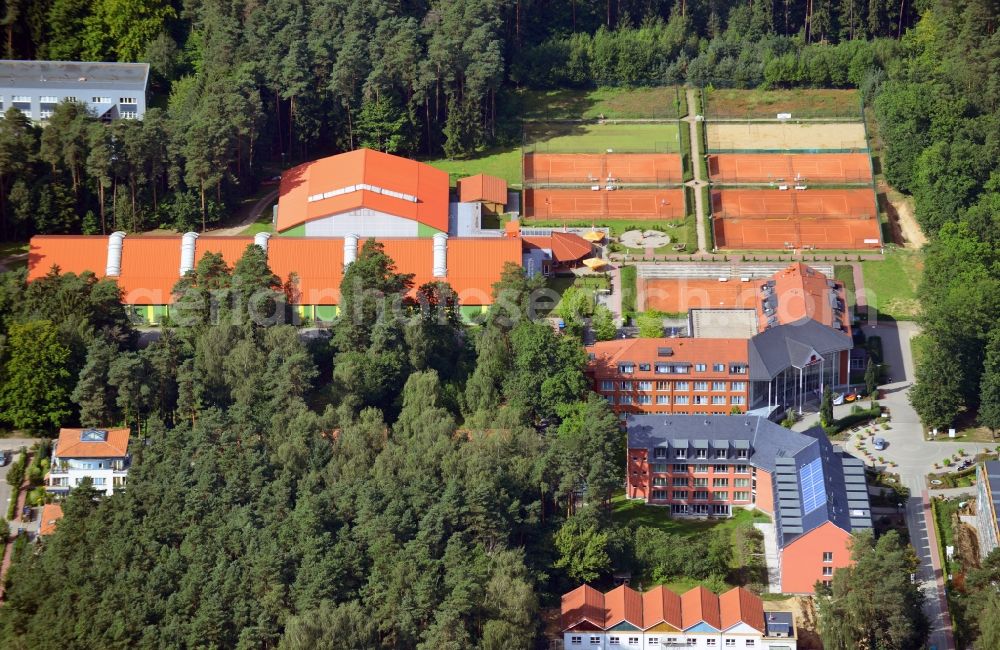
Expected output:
{"points": [[786, 135], [905, 229], [804, 610]]}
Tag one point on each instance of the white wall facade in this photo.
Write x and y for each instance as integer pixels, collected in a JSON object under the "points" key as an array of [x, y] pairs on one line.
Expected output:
{"points": [[734, 640], [106, 479], [362, 222], [39, 106]]}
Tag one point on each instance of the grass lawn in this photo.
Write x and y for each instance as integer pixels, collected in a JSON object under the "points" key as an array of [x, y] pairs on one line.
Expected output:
{"points": [[613, 103], [804, 102], [891, 284], [681, 231], [263, 223], [626, 511], [581, 137], [504, 163], [560, 283], [845, 274]]}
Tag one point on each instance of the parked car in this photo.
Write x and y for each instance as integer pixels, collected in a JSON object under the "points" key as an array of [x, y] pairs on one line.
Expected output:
{"points": [[4, 458], [879, 444]]}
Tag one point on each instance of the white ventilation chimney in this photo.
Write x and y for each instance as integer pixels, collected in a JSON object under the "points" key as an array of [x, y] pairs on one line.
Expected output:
{"points": [[188, 240], [114, 266], [440, 268], [260, 239], [350, 249]]}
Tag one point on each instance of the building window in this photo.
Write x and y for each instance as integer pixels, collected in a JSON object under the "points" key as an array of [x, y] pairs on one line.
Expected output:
{"points": [[653, 640], [722, 510], [660, 452], [710, 643], [613, 640], [127, 100], [692, 642], [718, 385], [663, 399], [721, 454], [100, 482], [720, 469], [738, 386], [626, 385], [576, 640], [828, 556], [701, 453], [682, 385], [730, 643], [720, 495], [607, 384], [633, 640], [741, 482], [827, 583], [678, 509], [659, 467], [738, 400], [718, 400], [701, 385], [100, 100], [671, 639], [610, 399], [828, 570], [742, 469], [700, 400], [738, 369], [751, 643], [701, 468], [699, 367], [701, 495], [681, 400], [742, 454], [663, 385], [682, 370], [660, 481], [645, 385], [679, 467], [595, 640], [680, 494], [700, 509], [625, 399], [741, 496], [659, 495], [720, 482], [626, 368], [662, 369], [645, 399], [21, 99], [48, 99], [643, 367], [681, 482], [719, 367], [701, 482], [680, 454]]}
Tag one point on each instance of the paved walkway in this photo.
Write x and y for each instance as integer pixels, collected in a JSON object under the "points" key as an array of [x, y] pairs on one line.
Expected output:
{"points": [[698, 182], [8, 550], [771, 557]]}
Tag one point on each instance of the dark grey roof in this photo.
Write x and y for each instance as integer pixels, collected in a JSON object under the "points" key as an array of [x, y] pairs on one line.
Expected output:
{"points": [[812, 482], [766, 440], [73, 75], [778, 623], [783, 346], [992, 468]]}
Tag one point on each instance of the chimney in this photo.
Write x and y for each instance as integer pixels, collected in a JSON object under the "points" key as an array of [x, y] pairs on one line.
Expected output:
{"points": [[260, 239], [440, 268], [188, 240], [350, 250], [115, 242]]}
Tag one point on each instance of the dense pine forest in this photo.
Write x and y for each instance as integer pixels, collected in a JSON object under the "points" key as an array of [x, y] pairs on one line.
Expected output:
{"points": [[411, 482]]}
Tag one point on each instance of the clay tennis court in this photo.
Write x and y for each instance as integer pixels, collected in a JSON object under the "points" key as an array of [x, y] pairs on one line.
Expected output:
{"points": [[629, 204], [597, 168], [784, 136], [796, 233], [676, 295], [783, 203], [804, 167]]}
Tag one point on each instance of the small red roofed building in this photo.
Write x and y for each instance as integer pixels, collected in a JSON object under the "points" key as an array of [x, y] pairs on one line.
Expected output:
{"points": [[98, 454], [488, 190], [626, 619], [51, 514]]}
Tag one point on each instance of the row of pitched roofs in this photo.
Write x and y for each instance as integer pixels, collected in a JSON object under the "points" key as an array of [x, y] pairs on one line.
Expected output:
{"points": [[586, 608]]}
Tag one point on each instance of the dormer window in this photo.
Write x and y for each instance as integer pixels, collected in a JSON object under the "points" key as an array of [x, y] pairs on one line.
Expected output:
{"points": [[626, 368], [94, 435]]}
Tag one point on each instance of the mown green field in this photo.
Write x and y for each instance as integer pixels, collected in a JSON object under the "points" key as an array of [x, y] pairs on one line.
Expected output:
{"points": [[593, 137], [800, 102], [891, 285], [666, 102]]}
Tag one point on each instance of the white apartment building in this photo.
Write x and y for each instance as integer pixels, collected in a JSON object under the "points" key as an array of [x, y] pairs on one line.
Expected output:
{"points": [[98, 454], [110, 91]]}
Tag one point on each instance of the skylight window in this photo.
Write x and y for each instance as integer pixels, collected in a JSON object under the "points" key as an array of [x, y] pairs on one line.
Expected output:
{"points": [[94, 435], [813, 490]]}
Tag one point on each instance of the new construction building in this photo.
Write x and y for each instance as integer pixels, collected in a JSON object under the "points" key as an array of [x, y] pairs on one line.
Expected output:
{"points": [[709, 466]]}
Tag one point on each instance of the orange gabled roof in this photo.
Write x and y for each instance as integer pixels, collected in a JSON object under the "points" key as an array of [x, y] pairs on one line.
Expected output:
{"points": [[583, 604], [623, 604], [150, 266], [71, 444], [740, 606], [565, 246], [482, 187], [804, 292], [660, 605], [363, 167], [51, 513], [700, 605], [607, 354]]}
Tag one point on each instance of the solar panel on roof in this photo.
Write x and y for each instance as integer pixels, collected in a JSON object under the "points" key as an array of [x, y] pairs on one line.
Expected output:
{"points": [[813, 489]]}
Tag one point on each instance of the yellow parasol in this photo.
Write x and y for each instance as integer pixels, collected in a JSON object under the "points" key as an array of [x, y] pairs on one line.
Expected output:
{"points": [[594, 263], [594, 236]]}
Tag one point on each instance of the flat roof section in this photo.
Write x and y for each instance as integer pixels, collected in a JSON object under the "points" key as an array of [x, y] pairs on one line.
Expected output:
{"points": [[724, 323], [73, 75]]}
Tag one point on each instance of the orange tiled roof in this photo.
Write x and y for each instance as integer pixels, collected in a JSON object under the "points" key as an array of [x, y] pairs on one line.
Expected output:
{"points": [[677, 295], [483, 187], [150, 266], [607, 354], [583, 604], [364, 166], [565, 246], [700, 604], [623, 604], [660, 605], [804, 292], [70, 444], [51, 513], [740, 606]]}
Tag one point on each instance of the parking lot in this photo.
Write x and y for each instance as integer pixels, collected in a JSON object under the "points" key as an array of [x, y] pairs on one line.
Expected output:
{"points": [[14, 446]]}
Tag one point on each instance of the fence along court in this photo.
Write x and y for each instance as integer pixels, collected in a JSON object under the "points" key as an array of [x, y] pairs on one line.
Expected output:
{"points": [[602, 168], [785, 136], [847, 168], [574, 204]]}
